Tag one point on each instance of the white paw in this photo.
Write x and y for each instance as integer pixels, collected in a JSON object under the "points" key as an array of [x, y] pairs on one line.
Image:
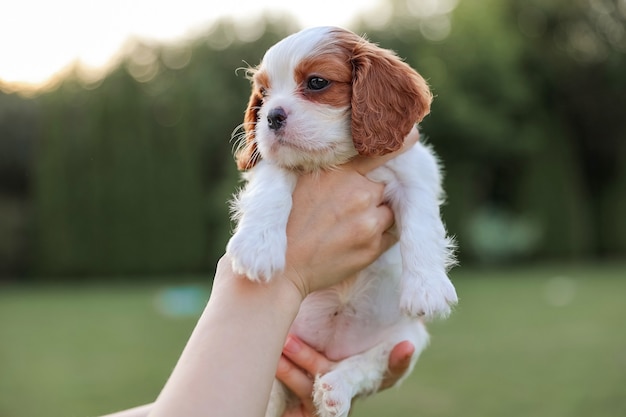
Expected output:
{"points": [[429, 298], [331, 396], [258, 258]]}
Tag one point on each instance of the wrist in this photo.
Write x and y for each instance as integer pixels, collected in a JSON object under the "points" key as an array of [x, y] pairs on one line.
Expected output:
{"points": [[261, 295], [294, 281]]}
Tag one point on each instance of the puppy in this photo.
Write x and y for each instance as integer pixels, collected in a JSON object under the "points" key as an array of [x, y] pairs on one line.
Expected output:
{"points": [[319, 98]]}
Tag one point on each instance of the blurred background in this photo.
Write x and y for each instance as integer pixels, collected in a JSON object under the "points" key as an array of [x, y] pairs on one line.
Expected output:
{"points": [[115, 175]]}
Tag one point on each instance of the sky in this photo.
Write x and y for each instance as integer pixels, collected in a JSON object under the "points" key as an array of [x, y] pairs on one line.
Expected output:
{"points": [[39, 38]]}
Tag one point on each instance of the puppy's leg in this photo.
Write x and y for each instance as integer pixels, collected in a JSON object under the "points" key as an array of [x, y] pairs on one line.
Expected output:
{"points": [[360, 375], [258, 247], [278, 400], [427, 252]]}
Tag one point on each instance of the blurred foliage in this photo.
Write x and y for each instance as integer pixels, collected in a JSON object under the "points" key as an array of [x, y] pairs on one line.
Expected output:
{"points": [[528, 119], [130, 173]]}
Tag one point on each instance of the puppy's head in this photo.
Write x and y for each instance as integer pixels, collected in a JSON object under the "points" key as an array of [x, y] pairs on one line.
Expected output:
{"points": [[323, 95]]}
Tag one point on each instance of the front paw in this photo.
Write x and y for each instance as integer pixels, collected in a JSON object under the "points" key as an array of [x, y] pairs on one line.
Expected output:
{"points": [[429, 298], [257, 258], [331, 396]]}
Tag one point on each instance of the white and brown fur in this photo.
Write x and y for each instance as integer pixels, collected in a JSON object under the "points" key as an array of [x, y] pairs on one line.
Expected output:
{"points": [[370, 100]]}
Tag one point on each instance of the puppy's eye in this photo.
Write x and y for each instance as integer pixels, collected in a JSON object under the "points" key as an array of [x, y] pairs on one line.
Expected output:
{"points": [[263, 91], [317, 83]]}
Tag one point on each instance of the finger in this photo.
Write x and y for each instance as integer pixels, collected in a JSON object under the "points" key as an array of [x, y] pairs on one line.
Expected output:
{"points": [[399, 363], [296, 380], [388, 239], [386, 217], [363, 165], [305, 356], [386, 224]]}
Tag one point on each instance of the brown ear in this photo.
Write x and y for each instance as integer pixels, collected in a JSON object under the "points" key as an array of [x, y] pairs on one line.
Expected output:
{"points": [[388, 98], [247, 155]]}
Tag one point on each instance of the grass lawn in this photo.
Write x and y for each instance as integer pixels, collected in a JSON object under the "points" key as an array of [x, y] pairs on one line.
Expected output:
{"points": [[532, 342]]}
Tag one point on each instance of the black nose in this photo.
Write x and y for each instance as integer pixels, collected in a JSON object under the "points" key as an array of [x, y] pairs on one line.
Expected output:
{"points": [[276, 118]]}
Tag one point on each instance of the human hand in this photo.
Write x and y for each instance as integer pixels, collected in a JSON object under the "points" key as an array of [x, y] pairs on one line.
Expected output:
{"points": [[300, 363], [339, 223]]}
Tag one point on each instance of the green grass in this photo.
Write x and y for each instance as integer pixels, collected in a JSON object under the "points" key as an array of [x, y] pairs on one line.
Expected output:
{"points": [[532, 342]]}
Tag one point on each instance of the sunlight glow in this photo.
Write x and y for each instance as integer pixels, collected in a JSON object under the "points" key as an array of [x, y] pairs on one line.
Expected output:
{"points": [[41, 38]]}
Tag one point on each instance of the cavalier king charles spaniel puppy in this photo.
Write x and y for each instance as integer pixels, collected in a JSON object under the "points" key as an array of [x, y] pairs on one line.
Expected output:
{"points": [[319, 98]]}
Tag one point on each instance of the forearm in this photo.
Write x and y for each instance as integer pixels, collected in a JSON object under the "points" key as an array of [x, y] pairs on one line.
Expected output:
{"points": [[141, 411], [219, 360]]}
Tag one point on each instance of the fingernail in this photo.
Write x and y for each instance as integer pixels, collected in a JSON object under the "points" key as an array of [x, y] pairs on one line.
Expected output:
{"points": [[292, 345], [407, 358]]}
